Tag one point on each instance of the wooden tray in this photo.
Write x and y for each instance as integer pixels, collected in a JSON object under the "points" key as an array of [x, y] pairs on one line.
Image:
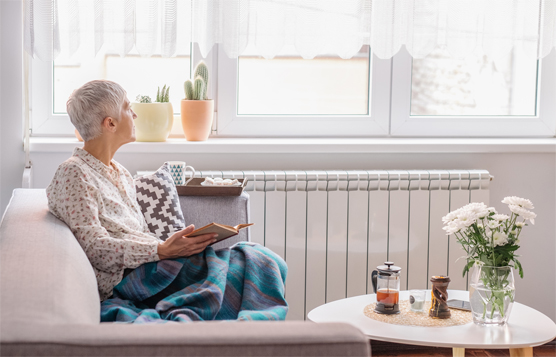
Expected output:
{"points": [[194, 188]]}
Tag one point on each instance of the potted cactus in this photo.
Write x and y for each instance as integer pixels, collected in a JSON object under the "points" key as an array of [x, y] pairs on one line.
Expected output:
{"points": [[154, 120], [196, 110]]}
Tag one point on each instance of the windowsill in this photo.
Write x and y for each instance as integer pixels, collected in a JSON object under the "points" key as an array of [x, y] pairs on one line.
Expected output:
{"points": [[316, 145]]}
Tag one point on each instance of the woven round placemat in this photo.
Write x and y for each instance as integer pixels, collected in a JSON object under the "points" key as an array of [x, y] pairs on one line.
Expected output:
{"points": [[407, 317]]}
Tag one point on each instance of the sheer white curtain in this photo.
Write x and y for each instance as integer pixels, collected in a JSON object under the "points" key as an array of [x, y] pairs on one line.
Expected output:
{"points": [[306, 27]]}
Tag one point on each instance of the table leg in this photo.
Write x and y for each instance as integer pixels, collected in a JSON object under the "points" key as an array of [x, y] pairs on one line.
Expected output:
{"points": [[458, 352], [521, 352]]}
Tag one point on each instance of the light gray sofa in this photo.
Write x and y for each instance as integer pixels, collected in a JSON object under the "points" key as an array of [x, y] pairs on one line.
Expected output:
{"points": [[49, 303]]}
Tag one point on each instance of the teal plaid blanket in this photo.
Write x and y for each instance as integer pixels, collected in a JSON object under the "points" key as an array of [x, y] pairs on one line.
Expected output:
{"points": [[245, 282]]}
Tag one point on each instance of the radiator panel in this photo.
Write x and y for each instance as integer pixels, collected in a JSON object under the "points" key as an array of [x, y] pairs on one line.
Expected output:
{"points": [[378, 232], [336, 259], [296, 225], [398, 229], [357, 243], [317, 202], [418, 239], [458, 198], [438, 241], [257, 212], [275, 222], [334, 227]]}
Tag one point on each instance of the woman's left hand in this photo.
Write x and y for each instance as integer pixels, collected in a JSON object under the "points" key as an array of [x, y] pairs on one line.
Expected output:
{"points": [[180, 246]]}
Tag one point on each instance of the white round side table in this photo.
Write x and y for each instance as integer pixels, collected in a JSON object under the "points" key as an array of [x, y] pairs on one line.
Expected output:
{"points": [[526, 327]]}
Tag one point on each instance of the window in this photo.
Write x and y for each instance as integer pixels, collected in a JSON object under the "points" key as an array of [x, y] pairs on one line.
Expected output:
{"points": [[477, 85], [289, 85], [138, 75], [364, 96], [289, 96], [439, 96]]}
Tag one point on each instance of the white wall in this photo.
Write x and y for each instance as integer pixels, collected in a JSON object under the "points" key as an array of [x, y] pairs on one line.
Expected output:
{"points": [[11, 130], [531, 175]]}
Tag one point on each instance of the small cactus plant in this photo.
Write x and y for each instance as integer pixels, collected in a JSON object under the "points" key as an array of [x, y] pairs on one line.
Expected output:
{"points": [[197, 90], [143, 99], [202, 70], [189, 90], [164, 96]]}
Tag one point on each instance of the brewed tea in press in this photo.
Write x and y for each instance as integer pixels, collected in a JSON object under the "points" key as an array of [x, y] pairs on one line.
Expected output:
{"points": [[386, 284]]}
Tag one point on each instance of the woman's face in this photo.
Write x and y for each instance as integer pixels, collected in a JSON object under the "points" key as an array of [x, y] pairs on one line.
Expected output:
{"points": [[126, 126]]}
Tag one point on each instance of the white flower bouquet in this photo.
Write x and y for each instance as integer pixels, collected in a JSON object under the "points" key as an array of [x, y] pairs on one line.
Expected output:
{"points": [[490, 238]]}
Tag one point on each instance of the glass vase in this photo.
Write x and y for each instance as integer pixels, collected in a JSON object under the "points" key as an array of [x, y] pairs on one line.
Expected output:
{"points": [[491, 294]]}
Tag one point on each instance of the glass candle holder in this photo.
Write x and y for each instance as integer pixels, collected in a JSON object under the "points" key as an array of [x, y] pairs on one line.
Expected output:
{"points": [[417, 300]]}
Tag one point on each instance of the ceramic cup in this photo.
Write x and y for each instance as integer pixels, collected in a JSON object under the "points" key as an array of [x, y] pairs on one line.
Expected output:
{"points": [[417, 300], [177, 169]]}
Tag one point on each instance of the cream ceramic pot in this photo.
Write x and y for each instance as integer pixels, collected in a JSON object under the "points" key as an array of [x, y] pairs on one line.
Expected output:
{"points": [[154, 121]]}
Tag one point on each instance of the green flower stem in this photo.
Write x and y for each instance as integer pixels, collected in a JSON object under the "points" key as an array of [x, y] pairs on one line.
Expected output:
{"points": [[492, 247], [496, 283]]}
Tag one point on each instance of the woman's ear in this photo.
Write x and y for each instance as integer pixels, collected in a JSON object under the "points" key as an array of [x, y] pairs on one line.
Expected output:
{"points": [[109, 124]]}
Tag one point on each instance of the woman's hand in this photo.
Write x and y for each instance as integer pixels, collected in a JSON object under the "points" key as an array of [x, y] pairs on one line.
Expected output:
{"points": [[179, 246]]}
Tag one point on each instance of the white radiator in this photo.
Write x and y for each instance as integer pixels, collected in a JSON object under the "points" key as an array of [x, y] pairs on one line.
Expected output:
{"points": [[334, 227]]}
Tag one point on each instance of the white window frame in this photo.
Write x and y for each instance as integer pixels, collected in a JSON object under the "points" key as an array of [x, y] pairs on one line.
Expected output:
{"points": [[389, 95], [230, 124], [543, 124], [43, 121]]}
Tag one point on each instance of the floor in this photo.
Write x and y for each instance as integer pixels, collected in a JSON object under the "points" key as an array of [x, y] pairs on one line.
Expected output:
{"points": [[385, 349]]}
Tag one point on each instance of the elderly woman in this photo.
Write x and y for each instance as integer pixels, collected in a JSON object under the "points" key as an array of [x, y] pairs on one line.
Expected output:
{"points": [[95, 196]]}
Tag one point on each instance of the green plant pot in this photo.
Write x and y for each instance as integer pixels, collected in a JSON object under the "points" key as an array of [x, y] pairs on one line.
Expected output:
{"points": [[154, 121]]}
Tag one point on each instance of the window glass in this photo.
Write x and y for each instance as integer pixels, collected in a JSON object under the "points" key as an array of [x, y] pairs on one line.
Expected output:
{"points": [[291, 85], [137, 75], [476, 85]]}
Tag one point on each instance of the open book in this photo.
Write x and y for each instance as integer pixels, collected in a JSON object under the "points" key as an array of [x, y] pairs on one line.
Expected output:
{"points": [[223, 231]]}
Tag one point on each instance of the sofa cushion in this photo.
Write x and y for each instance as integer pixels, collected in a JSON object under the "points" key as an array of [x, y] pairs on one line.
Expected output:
{"points": [[159, 201], [230, 210], [45, 276]]}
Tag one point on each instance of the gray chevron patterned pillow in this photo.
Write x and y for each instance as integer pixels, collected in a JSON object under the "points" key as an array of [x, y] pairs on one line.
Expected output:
{"points": [[159, 201]]}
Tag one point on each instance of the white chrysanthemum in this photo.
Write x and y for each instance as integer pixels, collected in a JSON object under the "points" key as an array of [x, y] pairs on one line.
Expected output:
{"points": [[493, 224], [480, 226], [467, 218], [492, 209], [499, 238], [522, 202], [523, 213], [500, 217], [520, 224], [480, 209], [455, 226], [451, 229], [478, 263], [450, 216]]}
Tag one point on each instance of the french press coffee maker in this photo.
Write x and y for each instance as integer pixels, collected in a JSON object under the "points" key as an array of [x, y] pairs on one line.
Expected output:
{"points": [[386, 284]]}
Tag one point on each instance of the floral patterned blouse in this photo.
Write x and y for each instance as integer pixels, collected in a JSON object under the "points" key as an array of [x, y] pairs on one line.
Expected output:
{"points": [[99, 205]]}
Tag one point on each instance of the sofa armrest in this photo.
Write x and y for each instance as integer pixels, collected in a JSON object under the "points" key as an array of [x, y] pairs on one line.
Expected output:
{"points": [[230, 210], [210, 338], [44, 273]]}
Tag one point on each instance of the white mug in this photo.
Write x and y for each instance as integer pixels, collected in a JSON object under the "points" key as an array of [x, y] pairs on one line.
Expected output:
{"points": [[177, 169]]}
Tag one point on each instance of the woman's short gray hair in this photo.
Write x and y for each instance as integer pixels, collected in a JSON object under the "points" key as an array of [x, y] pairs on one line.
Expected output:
{"points": [[90, 104]]}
